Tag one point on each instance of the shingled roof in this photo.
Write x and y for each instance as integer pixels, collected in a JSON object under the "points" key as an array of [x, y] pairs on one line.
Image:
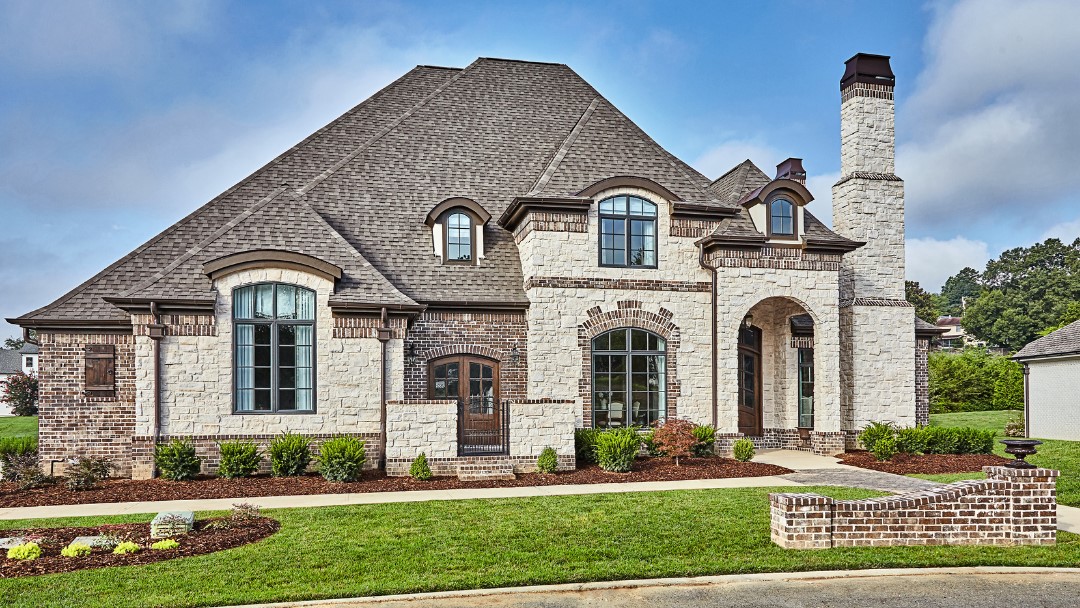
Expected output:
{"points": [[1065, 341]]}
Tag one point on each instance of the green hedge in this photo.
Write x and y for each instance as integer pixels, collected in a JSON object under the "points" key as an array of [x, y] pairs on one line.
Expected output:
{"points": [[926, 440], [974, 380]]}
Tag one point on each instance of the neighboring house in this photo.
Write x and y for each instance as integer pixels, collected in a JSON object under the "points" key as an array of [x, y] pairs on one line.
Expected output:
{"points": [[473, 262], [954, 335], [1052, 383], [24, 360]]}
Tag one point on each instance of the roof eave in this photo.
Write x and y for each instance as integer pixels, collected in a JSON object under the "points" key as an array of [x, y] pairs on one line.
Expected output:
{"points": [[523, 204]]}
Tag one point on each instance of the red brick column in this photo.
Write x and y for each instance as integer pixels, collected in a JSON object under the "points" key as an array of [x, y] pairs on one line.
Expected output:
{"points": [[1032, 503], [801, 521]]}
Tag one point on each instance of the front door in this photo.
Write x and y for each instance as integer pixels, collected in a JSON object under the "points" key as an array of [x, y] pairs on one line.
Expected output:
{"points": [[750, 381], [474, 383]]}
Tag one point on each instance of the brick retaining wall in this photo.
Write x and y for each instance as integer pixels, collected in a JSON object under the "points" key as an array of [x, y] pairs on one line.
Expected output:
{"points": [[1009, 507]]}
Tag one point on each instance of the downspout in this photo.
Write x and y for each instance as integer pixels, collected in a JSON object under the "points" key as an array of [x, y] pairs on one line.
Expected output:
{"points": [[712, 330], [156, 331], [384, 337], [1027, 391]]}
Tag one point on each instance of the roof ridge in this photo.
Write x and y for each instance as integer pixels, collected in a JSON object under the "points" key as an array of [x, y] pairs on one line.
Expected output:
{"points": [[210, 203], [318, 179], [568, 143], [521, 61], [215, 235], [732, 170]]}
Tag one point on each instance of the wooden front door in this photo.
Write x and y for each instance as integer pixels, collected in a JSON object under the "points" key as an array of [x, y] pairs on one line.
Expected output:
{"points": [[750, 381], [474, 383]]}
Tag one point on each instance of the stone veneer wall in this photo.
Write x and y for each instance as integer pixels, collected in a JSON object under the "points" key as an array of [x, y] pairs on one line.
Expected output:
{"points": [[878, 363], [922, 381], [73, 424], [1009, 507], [421, 425], [494, 335]]}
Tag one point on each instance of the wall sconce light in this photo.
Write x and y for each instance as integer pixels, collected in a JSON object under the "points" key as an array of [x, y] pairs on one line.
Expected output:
{"points": [[515, 355], [748, 321], [410, 355]]}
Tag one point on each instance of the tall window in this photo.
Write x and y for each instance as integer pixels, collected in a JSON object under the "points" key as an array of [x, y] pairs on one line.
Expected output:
{"points": [[627, 232], [459, 237], [629, 378], [806, 388], [781, 217], [274, 327]]}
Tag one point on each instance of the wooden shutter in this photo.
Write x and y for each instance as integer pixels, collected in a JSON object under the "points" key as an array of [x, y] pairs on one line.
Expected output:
{"points": [[100, 369]]}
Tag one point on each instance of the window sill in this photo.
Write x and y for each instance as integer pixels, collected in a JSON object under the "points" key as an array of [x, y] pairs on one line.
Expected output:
{"points": [[271, 413]]}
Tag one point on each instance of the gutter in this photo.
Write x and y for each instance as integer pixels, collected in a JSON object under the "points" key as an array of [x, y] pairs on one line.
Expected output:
{"points": [[712, 330], [156, 331], [383, 334], [1027, 400]]}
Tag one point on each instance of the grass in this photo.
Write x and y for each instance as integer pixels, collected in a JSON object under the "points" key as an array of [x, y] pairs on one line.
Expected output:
{"points": [[18, 426], [412, 547], [1053, 453]]}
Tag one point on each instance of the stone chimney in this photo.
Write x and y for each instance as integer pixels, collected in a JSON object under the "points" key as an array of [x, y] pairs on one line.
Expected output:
{"points": [[867, 131], [791, 169]]}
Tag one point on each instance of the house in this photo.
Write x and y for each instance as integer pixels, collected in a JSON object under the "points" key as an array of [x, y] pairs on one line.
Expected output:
{"points": [[24, 360], [1051, 368], [474, 262], [954, 336]]}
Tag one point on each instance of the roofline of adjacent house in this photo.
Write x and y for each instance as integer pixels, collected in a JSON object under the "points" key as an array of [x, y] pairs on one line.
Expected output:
{"points": [[1072, 353], [928, 332]]}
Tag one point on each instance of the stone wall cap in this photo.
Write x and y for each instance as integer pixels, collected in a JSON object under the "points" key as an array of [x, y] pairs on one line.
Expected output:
{"points": [[1011, 472]]}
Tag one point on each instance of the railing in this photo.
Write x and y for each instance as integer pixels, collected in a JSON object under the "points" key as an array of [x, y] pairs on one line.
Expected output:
{"points": [[483, 427]]}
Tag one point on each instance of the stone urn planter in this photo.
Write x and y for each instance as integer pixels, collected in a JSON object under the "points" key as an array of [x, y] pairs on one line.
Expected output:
{"points": [[1020, 449]]}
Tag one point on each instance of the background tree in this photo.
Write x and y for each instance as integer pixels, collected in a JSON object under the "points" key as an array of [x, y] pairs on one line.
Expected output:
{"points": [[20, 392], [964, 285], [13, 343], [922, 300]]}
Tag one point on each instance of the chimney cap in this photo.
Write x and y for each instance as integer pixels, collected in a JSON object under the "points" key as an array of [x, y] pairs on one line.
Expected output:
{"points": [[791, 169], [868, 68]]}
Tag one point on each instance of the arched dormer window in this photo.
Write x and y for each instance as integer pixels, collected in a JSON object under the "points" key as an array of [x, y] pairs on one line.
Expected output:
{"points": [[458, 227], [627, 232], [274, 346], [457, 230], [781, 218]]}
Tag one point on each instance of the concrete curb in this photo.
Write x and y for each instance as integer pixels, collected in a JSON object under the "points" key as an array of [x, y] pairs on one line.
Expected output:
{"points": [[728, 579]]}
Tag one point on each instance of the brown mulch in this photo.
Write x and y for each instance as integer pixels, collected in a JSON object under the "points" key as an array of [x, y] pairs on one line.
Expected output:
{"points": [[203, 539], [129, 490], [926, 464]]}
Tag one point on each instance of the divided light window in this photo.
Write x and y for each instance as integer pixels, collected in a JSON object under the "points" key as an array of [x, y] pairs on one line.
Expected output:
{"points": [[274, 328], [781, 217], [459, 237], [629, 378], [627, 232]]}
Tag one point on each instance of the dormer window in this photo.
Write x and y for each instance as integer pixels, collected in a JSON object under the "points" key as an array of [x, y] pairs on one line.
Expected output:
{"points": [[457, 231], [459, 239], [781, 218], [627, 232]]}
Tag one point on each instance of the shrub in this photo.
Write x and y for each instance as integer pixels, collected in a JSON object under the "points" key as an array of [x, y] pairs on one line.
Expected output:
{"points": [[585, 445], [17, 446], [290, 454], [239, 459], [26, 470], [675, 438], [342, 459], [1015, 426], [20, 392], [973, 441], [126, 547], [940, 440], [649, 441], [15, 454], [706, 437], [875, 432], [910, 441], [616, 449], [974, 380], [743, 450], [164, 545], [885, 448], [176, 460], [84, 473], [548, 461], [419, 470], [75, 550], [25, 552]]}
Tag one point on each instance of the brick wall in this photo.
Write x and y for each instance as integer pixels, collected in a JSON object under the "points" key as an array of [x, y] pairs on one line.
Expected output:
{"points": [[1009, 507], [922, 381], [71, 423]]}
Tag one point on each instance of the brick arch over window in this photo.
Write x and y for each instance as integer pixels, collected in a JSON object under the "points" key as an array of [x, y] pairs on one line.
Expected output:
{"points": [[462, 349], [628, 314]]}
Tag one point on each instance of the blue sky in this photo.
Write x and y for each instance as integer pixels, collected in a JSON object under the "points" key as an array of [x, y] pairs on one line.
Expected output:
{"points": [[118, 118]]}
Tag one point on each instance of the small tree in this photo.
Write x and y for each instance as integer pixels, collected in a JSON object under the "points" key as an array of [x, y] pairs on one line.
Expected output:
{"points": [[20, 392], [675, 438], [13, 343]]}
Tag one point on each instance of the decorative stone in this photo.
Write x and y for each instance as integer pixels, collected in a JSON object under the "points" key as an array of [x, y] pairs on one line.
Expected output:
{"points": [[11, 541], [104, 542], [172, 523]]}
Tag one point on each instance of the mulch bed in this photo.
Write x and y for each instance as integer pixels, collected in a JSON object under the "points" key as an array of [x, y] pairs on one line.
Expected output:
{"points": [[129, 490], [203, 539], [926, 464]]}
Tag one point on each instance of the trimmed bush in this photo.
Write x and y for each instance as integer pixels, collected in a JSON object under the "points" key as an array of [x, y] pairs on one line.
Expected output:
{"points": [[419, 470], [342, 459], [616, 449], [239, 459], [76, 550], [649, 441], [675, 438], [290, 454], [973, 441], [585, 445], [743, 450], [126, 547], [874, 432], [25, 552], [940, 440], [26, 470], [176, 460], [165, 545], [910, 441], [706, 438], [548, 461], [885, 448], [85, 473]]}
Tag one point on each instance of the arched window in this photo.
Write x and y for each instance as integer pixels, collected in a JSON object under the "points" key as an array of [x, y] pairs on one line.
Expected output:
{"points": [[781, 217], [459, 238], [627, 232], [274, 338], [629, 378]]}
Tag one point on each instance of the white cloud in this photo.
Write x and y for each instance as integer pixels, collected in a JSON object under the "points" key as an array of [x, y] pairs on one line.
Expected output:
{"points": [[1066, 231], [993, 113], [719, 159], [931, 261]]}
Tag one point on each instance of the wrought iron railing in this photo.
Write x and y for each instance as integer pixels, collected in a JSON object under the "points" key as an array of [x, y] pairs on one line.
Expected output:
{"points": [[483, 427]]}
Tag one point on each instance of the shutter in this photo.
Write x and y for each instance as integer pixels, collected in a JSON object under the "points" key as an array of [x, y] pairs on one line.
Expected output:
{"points": [[100, 369]]}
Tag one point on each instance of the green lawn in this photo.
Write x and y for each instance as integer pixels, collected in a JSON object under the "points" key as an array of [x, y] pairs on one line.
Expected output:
{"points": [[18, 426], [410, 547], [1053, 454]]}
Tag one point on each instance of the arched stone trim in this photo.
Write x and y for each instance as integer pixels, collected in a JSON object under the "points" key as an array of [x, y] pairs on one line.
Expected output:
{"points": [[629, 181], [481, 214], [798, 192], [270, 258], [628, 314], [462, 349], [735, 323]]}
